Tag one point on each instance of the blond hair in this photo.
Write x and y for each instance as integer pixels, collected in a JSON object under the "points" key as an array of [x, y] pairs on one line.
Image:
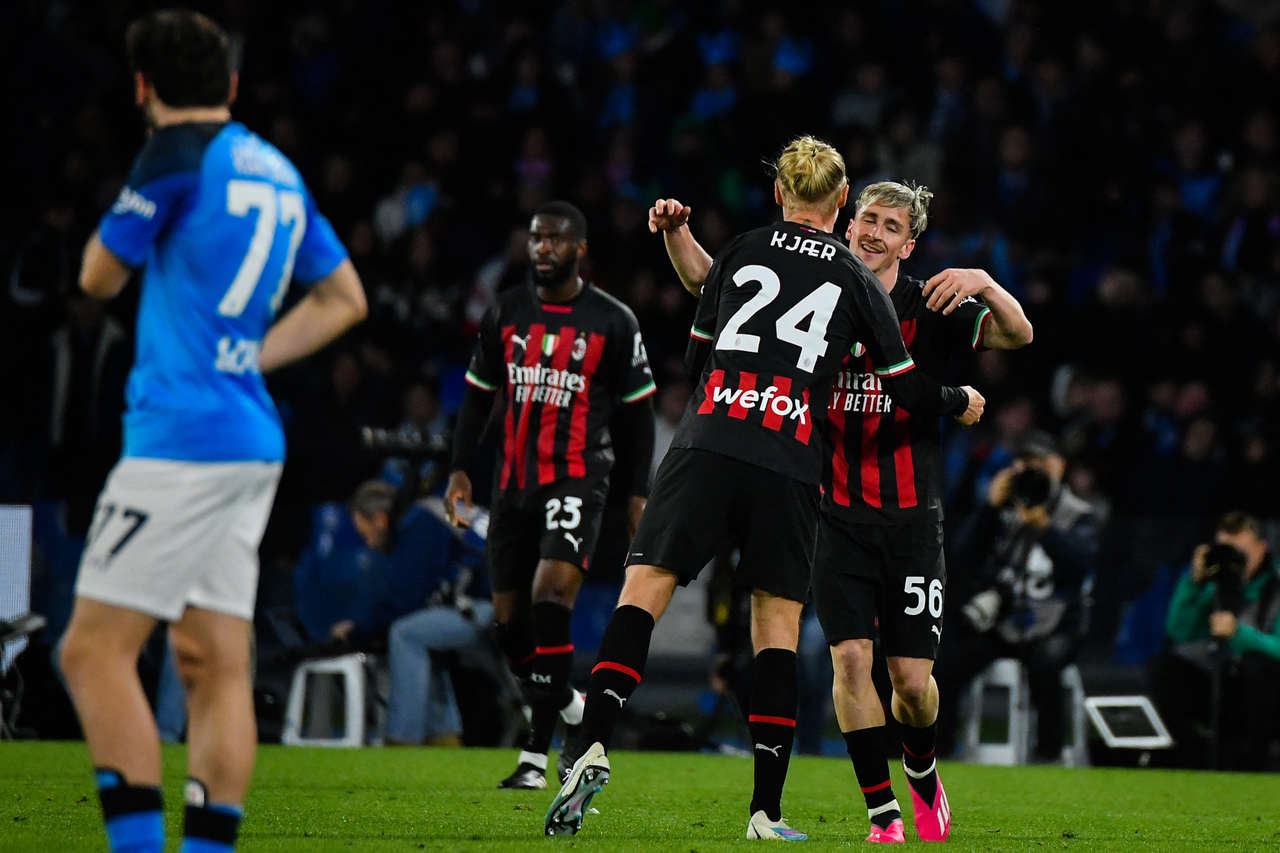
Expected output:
{"points": [[913, 197], [810, 174]]}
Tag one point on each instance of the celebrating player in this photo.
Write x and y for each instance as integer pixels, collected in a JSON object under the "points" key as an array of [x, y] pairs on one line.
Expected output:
{"points": [[222, 222], [567, 355], [781, 306], [880, 538]]}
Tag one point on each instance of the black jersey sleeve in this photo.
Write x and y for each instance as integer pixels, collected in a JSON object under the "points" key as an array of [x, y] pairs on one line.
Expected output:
{"points": [[913, 390], [703, 331], [487, 370], [966, 325], [634, 376]]}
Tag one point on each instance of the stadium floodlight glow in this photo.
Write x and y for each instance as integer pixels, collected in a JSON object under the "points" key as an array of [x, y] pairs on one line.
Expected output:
{"points": [[1128, 722]]}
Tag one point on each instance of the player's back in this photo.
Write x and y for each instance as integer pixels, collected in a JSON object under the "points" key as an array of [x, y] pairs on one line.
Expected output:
{"points": [[222, 221], [778, 311]]}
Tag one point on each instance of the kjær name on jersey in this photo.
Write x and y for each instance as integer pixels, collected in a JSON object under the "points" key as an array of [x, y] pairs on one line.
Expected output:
{"points": [[803, 245]]}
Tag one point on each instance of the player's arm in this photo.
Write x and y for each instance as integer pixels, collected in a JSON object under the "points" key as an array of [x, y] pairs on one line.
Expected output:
{"points": [[910, 388], [635, 420], [1002, 325], [102, 274], [484, 375], [691, 261], [334, 304]]}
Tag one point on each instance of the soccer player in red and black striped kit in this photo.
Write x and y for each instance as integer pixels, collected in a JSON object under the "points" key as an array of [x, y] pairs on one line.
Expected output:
{"points": [[575, 382], [781, 306], [880, 536]]}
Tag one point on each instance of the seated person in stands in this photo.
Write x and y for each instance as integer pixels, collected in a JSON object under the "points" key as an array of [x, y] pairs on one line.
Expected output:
{"points": [[1029, 552], [1225, 613]]}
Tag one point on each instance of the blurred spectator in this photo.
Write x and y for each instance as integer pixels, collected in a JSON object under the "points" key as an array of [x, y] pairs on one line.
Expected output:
{"points": [[1225, 616], [1030, 556]]}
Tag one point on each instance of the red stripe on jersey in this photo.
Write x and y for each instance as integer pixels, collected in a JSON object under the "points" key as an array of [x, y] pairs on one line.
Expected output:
{"points": [[714, 380], [508, 426], [909, 333], [772, 419], [870, 456], [581, 403], [549, 418], [805, 426], [839, 461], [746, 382], [557, 309], [904, 467], [532, 356]]}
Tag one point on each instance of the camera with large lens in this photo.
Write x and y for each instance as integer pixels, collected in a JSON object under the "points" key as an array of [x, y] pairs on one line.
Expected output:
{"points": [[1225, 565], [1030, 487]]}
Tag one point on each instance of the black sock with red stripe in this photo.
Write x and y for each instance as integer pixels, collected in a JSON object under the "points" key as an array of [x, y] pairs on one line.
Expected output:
{"points": [[772, 722], [618, 670], [548, 685], [515, 638], [866, 748], [918, 754]]}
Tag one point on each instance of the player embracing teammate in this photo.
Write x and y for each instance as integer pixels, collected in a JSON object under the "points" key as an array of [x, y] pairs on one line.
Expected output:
{"points": [[879, 554], [781, 307]]}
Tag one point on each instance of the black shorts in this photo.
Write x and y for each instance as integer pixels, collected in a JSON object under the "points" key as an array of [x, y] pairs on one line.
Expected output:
{"points": [[560, 521], [895, 572], [703, 501]]}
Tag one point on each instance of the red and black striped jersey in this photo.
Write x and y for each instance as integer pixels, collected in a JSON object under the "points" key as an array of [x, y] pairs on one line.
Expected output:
{"points": [[886, 465], [780, 307], [563, 369]]}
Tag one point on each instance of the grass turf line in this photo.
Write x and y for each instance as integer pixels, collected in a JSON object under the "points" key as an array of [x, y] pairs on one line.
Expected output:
{"points": [[446, 799]]}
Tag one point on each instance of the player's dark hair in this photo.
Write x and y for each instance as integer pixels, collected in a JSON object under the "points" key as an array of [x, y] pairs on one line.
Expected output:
{"points": [[185, 55], [565, 210]]}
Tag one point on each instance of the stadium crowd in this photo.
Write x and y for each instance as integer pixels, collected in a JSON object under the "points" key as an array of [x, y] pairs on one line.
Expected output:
{"points": [[1097, 172]]}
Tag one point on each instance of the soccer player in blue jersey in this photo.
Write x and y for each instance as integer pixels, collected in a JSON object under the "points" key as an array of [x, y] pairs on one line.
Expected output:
{"points": [[221, 222]]}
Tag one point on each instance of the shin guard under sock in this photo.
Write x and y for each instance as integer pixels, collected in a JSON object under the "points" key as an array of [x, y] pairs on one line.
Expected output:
{"points": [[772, 722], [618, 670]]}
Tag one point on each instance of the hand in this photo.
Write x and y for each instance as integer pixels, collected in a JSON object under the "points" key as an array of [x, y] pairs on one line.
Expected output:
{"points": [[1222, 624], [1035, 517], [635, 508], [973, 413], [1199, 571], [459, 489], [949, 288], [668, 214], [1001, 486], [982, 610], [341, 630]]}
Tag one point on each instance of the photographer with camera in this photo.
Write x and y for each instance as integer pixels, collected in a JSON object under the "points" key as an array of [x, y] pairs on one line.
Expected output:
{"points": [[1224, 651], [1031, 550]]}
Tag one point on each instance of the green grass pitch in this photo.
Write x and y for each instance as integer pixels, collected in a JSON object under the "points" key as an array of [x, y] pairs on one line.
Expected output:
{"points": [[446, 799]]}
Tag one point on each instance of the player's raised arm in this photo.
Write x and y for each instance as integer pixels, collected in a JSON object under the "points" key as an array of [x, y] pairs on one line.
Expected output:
{"points": [[691, 261], [1003, 326], [334, 304]]}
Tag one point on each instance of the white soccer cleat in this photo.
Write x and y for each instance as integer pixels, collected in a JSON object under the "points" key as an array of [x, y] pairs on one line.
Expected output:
{"points": [[587, 778], [760, 827]]}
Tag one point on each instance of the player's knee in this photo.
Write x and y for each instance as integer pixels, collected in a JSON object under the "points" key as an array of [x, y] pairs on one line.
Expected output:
{"points": [[75, 655], [851, 663], [911, 686]]}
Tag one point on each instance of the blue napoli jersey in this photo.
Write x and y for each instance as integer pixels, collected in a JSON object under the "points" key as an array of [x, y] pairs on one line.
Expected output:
{"points": [[222, 222]]}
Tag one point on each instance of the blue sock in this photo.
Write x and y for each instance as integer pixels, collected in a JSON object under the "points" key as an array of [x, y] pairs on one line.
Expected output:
{"points": [[210, 827], [133, 814]]}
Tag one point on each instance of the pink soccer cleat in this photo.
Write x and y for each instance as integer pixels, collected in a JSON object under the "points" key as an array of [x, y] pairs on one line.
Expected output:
{"points": [[891, 835], [932, 820]]}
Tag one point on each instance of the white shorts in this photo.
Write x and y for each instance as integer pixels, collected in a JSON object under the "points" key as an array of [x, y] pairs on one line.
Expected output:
{"points": [[167, 534]]}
